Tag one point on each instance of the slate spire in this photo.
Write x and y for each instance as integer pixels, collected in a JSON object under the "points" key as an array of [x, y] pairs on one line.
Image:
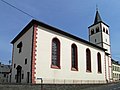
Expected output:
{"points": [[97, 17]]}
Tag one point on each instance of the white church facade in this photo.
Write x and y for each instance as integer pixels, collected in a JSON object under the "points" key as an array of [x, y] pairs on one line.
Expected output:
{"points": [[45, 54]]}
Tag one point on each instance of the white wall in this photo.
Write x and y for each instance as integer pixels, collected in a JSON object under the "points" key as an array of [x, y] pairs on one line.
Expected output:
{"points": [[96, 36], [65, 75], [19, 58], [108, 68], [106, 39], [116, 71]]}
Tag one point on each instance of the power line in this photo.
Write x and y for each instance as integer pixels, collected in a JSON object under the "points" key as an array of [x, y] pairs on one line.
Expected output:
{"points": [[17, 9]]}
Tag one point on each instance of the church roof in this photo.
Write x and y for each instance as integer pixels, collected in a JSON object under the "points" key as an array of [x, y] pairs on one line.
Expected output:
{"points": [[52, 29], [97, 18], [115, 62]]}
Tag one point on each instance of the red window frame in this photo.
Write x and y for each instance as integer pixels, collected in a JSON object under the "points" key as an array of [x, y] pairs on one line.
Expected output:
{"points": [[88, 60], [99, 62], [57, 65], [74, 64]]}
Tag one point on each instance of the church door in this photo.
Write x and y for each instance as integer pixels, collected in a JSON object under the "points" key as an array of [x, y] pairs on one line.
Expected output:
{"points": [[19, 68]]}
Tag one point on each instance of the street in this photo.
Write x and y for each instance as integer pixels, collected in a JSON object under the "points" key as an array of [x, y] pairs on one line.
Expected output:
{"points": [[114, 86]]}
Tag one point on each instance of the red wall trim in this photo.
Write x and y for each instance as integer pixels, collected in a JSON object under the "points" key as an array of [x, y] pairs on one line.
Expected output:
{"points": [[34, 53]]}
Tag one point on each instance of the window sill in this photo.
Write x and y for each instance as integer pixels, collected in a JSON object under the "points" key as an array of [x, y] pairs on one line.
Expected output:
{"points": [[74, 69], [55, 67], [99, 72], [88, 71]]}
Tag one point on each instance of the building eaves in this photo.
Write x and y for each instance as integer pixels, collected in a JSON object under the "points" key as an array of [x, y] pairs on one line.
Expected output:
{"points": [[115, 62], [99, 22], [52, 29]]}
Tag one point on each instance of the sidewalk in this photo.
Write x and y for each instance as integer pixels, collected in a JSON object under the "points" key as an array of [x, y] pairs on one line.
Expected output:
{"points": [[55, 86]]}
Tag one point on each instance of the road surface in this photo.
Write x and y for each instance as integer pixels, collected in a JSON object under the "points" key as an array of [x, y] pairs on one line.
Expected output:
{"points": [[113, 86]]}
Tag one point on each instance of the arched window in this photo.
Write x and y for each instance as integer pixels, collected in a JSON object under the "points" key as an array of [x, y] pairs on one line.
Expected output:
{"points": [[74, 58], [92, 31], [55, 53], [106, 31], [103, 29], [97, 29], [88, 60], [99, 62]]}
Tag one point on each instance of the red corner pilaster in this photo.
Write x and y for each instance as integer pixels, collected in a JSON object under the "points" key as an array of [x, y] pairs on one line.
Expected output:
{"points": [[34, 52]]}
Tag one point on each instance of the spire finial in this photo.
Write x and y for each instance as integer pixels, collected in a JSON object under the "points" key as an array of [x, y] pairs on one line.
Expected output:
{"points": [[96, 7], [97, 17]]}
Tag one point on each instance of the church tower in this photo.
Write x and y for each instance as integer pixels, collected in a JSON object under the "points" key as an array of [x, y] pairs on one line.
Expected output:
{"points": [[99, 33]]}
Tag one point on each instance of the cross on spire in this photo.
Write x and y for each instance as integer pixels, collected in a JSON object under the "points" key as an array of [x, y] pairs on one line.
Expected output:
{"points": [[96, 7]]}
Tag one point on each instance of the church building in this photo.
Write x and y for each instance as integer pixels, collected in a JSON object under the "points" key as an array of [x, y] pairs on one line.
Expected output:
{"points": [[44, 54]]}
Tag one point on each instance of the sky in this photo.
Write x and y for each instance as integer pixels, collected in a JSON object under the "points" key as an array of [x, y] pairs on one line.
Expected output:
{"points": [[72, 16]]}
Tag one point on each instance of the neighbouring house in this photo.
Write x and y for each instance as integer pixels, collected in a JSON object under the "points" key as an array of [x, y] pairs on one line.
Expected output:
{"points": [[5, 71], [115, 70], [45, 54]]}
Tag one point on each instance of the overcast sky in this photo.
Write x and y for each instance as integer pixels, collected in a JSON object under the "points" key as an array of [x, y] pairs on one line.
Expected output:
{"points": [[72, 16]]}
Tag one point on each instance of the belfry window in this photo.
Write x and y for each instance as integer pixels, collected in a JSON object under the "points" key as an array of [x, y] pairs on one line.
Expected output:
{"points": [[92, 31], [97, 29], [74, 58], [88, 60], [55, 53], [106, 31], [19, 46], [103, 29]]}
